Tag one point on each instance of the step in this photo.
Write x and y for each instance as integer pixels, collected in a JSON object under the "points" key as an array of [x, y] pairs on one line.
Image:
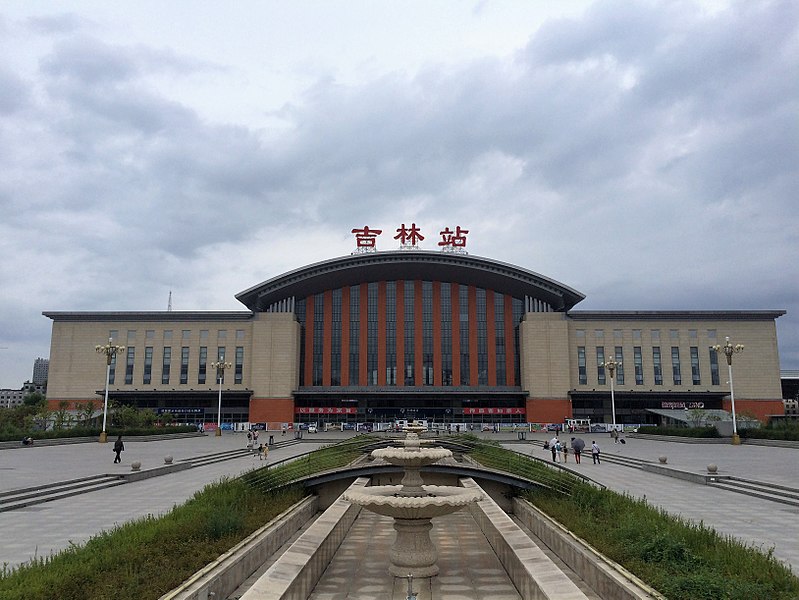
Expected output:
{"points": [[10, 504]]}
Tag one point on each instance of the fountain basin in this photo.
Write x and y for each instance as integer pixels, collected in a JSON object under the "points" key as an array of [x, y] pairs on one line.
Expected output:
{"points": [[438, 501], [404, 457]]}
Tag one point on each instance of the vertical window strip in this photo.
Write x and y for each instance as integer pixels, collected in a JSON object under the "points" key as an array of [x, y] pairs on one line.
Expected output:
{"points": [[446, 334], [410, 328], [202, 365], [391, 333], [619, 350], [463, 301], [318, 337], [166, 365], [239, 365], [335, 337], [675, 365], [355, 334], [499, 338], [582, 374], [148, 366], [600, 369], [714, 367], [482, 342], [299, 312], [695, 375], [639, 365], [131, 358], [371, 334], [657, 367], [427, 333], [184, 364]]}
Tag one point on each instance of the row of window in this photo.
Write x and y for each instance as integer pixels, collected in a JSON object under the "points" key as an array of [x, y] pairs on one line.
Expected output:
{"points": [[654, 334], [166, 360], [427, 302], [168, 335], [638, 366]]}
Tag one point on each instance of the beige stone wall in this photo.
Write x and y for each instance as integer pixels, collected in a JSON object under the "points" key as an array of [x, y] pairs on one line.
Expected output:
{"points": [[77, 371], [545, 356], [755, 371], [275, 371]]}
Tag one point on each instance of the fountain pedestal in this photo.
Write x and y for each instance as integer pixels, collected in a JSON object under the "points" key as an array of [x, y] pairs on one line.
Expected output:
{"points": [[413, 552], [413, 505]]}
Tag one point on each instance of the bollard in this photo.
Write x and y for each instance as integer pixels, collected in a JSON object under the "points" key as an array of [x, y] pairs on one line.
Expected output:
{"points": [[135, 466]]}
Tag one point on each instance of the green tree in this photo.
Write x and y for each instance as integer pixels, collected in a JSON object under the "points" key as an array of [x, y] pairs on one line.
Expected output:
{"points": [[34, 399], [61, 417], [86, 412]]}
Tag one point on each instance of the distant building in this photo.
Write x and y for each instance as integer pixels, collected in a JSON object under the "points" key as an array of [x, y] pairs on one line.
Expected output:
{"points": [[426, 335], [11, 398], [40, 369]]}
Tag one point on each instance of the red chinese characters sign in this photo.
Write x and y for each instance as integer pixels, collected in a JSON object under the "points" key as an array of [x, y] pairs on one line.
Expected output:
{"points": [[493, 411], [409, 238], [325, 410]]}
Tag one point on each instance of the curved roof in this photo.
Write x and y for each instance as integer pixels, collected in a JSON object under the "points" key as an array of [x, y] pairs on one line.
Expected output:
{"points": [[410, 265]]}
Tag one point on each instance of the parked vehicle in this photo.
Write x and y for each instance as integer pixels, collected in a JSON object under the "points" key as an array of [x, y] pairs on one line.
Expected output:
{"points": [[312, 428]]}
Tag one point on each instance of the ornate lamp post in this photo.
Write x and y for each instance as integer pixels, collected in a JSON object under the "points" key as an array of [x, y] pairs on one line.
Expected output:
{"points": [[728, 349], [110, 350], [611, 365], [220, 367]]}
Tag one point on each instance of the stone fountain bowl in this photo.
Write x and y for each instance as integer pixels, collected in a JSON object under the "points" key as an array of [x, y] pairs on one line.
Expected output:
{"points": [[411, 458], [382, 499]]}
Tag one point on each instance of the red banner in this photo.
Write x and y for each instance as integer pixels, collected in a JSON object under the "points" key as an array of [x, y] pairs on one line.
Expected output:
{"points": [[494, 411], [325, 410]]}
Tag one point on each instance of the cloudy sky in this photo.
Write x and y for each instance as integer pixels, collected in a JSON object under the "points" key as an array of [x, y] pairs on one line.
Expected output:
{"points": [[644, 153]]}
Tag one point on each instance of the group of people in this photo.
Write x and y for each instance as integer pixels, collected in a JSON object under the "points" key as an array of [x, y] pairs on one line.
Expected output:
{"points": [[258, 449], [560, 449]]}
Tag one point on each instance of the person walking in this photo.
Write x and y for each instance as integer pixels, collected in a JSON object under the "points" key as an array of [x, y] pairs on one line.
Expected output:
{"points": [[553, 447], [577, 447], [118, 448], [565, 447], [614, 433], [595, 452]]}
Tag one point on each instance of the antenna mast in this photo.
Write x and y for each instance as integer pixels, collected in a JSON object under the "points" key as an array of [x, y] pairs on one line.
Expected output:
{"points": [[169, 304]]}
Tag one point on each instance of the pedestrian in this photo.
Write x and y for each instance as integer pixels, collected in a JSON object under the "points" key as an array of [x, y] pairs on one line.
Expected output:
{"points": [[249, 440], [577, 447], [552, 446], [614, 433], [255, 437], [595, 453], [118, 448], [558, 450], [565, 452]]}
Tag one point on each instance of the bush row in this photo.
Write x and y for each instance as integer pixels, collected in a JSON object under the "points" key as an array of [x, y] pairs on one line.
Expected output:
{"points": [[698, 432], [51, 434]]}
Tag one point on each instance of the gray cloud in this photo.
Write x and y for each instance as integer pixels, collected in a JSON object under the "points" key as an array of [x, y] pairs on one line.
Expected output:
{"points": [[643, 154]]}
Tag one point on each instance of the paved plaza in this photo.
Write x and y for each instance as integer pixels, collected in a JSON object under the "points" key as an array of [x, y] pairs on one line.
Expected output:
{"points": [[44, 528]]}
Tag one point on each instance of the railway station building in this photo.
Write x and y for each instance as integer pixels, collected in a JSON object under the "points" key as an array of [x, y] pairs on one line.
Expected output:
{"points": [[416, 334]]}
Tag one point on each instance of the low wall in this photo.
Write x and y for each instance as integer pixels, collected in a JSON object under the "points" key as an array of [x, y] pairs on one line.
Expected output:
{"points": [[221, 577], [605, 577], [531, 570], [295, 574]]}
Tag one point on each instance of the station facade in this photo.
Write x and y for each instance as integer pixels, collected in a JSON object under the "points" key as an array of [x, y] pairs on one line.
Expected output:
{"points": [[441, 336]]}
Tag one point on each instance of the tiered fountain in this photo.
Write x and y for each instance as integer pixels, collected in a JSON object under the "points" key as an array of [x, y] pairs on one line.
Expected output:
{"points": [[413, 504]]}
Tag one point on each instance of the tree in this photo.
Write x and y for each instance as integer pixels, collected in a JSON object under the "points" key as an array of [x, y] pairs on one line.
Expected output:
{"points": [[61, 416], [697, 416], [86, 412], [34, 399]]}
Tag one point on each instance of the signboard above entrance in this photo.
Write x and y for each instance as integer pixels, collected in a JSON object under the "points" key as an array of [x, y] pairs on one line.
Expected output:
{"points": [[409, 238]]}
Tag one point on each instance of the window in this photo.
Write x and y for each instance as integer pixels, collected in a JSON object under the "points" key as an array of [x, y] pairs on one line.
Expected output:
{"points": [[618, 334], [579, 334], [203, 335], [714, 367], [166, 364], [335, 337], [655, 334], [675, 365], [131, 337], [674, 334], [185, 335], [693, 334], [463, 308], [318, 337], [582, 375], [220, 358], [639, 365], [355, 332], [148, 365], [184, 364], [482, 344], [499, 334], [221, 334], [600, 362], [711, 334], [149, 335], [371, 333], [240, 332], [599, 334], [657, 367], [446, 334], [167, 335], [620, 365], [695, 378], [203, 365], [131, 351], [636, 335], [113, 335], [238, 376], [427, 333]]}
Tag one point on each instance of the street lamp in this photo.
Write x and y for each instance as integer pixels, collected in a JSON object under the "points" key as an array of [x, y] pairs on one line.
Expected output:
{"points": [[728, 349], [220, 367], [110, 350], [611, 365]]}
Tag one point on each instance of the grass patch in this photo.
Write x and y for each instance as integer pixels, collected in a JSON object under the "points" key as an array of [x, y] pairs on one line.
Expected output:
{"points": [[681, 560], [148, 557]]}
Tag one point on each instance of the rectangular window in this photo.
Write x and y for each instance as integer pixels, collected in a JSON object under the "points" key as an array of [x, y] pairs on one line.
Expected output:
{"points": [[655, 334], [599, 334], [167, 335], [391, 333], [482, 344], [446, 334], [220, 358], [636, 335], [202, 365], [579, 334], [129, 366], [714, 367], [674, 334], [131, 337], [463, 307], [620, 365], [693, 334], [711, 334], [657, 366], [166, 364], [618, 334], [355, 334], [185, 335], [499, 336], [203, 335], [695, 378], [600, 365], [112, 370], [675, 365], [427, 333], [240, 333], [113, 335], [184, 364], [221, 334], [639, 365], [148, 366], [582, 375], [149, 335], [335, 337], [372, 324], [239, 365], [318, 337]]}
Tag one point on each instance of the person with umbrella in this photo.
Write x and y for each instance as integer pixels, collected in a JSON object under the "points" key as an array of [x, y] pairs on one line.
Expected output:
{"points": [[577, 447]]}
